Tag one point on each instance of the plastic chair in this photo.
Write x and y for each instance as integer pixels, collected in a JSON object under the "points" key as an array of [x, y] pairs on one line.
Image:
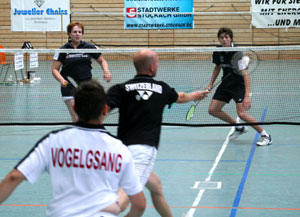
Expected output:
{"points": [[6, 64]]}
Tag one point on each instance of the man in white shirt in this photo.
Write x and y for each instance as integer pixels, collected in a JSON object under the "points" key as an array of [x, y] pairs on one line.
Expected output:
{"points": [[86, 164]]}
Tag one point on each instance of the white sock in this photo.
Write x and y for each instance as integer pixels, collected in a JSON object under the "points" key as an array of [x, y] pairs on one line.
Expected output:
{"points": [[264, 133], [238, 127]]}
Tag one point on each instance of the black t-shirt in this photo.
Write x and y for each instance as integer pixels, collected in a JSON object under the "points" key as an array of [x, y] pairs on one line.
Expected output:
{"points": [[77, 65], [223, 59], [141, 102]]}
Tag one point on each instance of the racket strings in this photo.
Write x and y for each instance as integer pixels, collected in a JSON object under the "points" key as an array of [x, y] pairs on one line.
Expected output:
{"points": [[254, 61]]}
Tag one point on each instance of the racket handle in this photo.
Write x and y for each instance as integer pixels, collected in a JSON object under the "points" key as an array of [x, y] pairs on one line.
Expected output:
{"points": [[65, 83], [214, 85]]}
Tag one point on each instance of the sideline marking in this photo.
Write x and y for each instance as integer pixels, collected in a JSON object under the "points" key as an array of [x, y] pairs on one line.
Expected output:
{"points": [[192, 210], [246, 171]]}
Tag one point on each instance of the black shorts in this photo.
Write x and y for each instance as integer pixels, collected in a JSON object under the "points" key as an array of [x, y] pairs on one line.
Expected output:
{"points": [[225, 93], [69, 89]]}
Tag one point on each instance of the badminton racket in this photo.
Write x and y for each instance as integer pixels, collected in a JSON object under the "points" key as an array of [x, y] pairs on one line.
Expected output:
{"points": [[248, 61], [72, 81]]}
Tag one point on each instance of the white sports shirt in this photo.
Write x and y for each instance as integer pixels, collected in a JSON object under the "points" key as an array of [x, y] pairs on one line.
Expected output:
{"points": [[86, 164]]}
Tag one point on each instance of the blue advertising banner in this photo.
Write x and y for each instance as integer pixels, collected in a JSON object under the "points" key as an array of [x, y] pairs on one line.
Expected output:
{"points": [[159, 14]]}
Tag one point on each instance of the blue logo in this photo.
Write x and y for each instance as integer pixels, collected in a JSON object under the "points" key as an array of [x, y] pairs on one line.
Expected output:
{"points": [[39, 3], [35, 11]]}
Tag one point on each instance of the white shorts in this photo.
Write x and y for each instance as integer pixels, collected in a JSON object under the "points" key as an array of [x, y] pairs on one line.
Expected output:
{"points": [[66, 98], [105, 214], [144, 157]]}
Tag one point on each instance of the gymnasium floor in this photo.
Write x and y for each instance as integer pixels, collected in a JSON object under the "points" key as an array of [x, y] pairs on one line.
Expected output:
{"points": [[203, 174]]}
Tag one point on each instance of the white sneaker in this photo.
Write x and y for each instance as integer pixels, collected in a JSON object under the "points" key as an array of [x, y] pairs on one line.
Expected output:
{"points": [[264, 141], [237, 132]]}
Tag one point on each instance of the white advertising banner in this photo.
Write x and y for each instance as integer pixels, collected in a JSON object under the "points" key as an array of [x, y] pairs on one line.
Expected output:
{"points": [[40, 15], [275, 13]]}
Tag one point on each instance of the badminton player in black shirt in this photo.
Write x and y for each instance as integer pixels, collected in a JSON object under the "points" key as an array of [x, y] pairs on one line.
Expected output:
{"points": [[76, 65], [141, 101], [234, 87]]}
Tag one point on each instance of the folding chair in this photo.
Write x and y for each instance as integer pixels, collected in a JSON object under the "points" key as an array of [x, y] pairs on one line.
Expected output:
{"points": [[6, 64]]}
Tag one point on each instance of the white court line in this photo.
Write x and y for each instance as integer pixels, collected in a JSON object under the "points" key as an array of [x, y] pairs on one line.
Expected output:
{"points": [[191, 211], [207, 185]]}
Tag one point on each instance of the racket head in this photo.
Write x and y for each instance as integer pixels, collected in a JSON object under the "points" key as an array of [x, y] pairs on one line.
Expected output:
{"points": [[249, 62], [234, 62], [190, 112], [254, 61]]}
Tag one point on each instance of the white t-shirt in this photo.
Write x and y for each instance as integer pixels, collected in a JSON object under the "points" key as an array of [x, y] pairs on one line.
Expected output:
{"points": [[86, 164]]}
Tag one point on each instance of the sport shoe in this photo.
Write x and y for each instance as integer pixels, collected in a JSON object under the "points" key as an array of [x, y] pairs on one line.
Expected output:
{"points": [[264, 141], [237, 132]]}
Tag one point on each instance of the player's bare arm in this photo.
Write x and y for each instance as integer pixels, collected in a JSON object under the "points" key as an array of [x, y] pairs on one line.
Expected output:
{"points": [[9, 183], [104, 66], [197, 95], [55, 72]]}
